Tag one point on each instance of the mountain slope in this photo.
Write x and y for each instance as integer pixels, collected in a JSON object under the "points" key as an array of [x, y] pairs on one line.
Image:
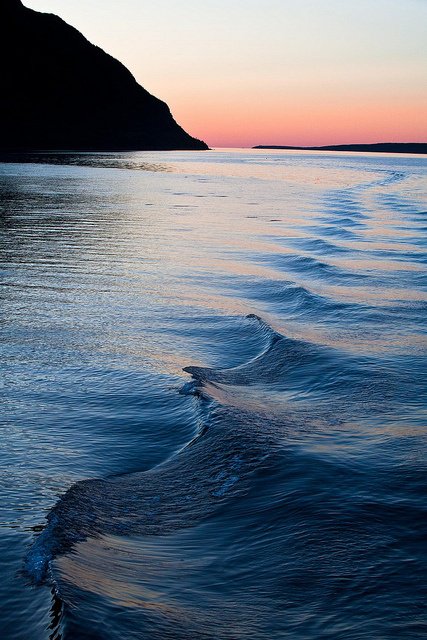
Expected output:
{"points": [[59, 91]]}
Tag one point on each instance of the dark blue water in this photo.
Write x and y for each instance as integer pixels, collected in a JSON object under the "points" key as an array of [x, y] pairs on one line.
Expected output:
{"points": [[214, 421]]}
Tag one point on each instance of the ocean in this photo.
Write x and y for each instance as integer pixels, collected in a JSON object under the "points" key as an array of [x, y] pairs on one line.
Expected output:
{"points": [[214, 396]]}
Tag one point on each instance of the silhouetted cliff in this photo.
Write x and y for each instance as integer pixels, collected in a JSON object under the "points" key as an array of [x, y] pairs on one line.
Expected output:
{"points": [[59, 91]]}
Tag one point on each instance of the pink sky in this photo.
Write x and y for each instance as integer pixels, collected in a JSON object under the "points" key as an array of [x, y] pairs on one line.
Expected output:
{"points": [[317, 120]]}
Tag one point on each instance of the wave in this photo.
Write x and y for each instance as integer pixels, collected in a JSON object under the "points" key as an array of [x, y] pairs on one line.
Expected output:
{"points": [[317, 246], [230, 443], [308, 266], [175, 494]]}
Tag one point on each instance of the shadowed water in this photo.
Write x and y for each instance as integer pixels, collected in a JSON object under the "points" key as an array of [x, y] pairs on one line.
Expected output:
{"points": [[214, 394]]}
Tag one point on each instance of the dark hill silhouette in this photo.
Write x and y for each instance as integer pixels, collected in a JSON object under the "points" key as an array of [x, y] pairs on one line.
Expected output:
{"points": [[59, 91], [377, 147]]}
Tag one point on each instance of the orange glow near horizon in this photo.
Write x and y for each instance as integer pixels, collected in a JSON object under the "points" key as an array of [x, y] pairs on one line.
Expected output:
{"points": [[306, 123]]}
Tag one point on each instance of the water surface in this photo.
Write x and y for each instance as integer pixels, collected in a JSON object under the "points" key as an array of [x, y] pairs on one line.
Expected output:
{"points": [[217, 361]]}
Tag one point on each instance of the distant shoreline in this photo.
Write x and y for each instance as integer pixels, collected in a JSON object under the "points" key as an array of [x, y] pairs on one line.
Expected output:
{"points": [[379, 147]]}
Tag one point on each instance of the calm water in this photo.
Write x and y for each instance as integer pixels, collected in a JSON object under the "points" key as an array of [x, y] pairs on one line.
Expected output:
{"points": [[228, 349]]}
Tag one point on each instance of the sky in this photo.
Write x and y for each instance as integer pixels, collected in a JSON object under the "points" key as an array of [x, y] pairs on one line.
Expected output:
{"points": [[237, 73]]}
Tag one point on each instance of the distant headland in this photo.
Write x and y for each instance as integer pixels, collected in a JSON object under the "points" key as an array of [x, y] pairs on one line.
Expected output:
{"points": [[60, 92], [379, 147]]}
